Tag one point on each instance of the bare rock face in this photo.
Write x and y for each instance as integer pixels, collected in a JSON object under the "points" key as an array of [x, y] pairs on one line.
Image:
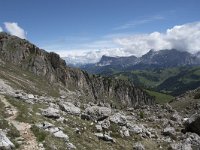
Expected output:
{"points": [[5, 143], [27, 56], [193, 124]]}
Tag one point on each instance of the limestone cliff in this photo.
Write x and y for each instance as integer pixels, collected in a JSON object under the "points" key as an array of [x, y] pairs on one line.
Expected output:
{"points": [[25, 55]]}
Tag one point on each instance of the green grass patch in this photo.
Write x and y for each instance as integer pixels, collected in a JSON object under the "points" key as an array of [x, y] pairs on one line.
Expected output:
{"points": [[160, 97], [39, 134]]}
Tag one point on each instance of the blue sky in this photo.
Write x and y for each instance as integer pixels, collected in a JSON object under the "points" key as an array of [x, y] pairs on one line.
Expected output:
{"points": [[68, 25]]}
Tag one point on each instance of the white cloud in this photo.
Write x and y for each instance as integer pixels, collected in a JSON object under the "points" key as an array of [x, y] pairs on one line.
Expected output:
{"points": [[184, 37], [14, 29], [1, 29], [90, 56]]}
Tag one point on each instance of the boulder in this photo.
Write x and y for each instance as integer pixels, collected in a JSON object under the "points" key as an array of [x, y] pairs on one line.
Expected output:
{"points": [[51, 112], [62, 135], [98, 127], [104, 137], [169, 131], [5, 143], [119, 119], [138, 146], [105, 124], [180, 146], [70, 146], [193, 124], [177, 118], [134, 128], [98, 113], [69, 108], [124, 132], [30, 96]]}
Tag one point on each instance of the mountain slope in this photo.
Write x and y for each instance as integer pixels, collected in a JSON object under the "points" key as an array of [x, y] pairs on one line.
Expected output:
{"points": [[158, 70], [26, 56]]}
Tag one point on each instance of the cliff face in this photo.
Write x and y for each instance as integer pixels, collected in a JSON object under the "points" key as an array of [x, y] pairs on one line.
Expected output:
{"points": [[27, 56]]}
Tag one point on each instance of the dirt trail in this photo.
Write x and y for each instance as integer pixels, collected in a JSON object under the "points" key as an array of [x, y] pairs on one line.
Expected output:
{"points": [[30, 142]]}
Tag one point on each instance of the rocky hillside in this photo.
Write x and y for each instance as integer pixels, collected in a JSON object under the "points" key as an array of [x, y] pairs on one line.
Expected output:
{"points": [[33, 122], [26, 56]]}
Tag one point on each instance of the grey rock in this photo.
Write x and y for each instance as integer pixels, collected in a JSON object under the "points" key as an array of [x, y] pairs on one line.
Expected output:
{"points": [[70, 108], [97, 112], [177, 118], [169, 131], [70, 146], [124, 132], [105, 124], [62, 135], [180, 146], [51, 112], [85, 116], [134, 128], [104, 137], [5, 143], [118, 118], [193, 124], [30, 96], [138, 146], [98, 127]]}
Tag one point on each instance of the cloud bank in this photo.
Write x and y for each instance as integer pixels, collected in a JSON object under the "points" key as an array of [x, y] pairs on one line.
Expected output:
{"points": [[184, 37], [1, 29], [14, 29]]}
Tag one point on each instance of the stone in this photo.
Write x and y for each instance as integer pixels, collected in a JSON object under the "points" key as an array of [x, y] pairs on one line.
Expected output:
{"points": [[169, 131], [5, 143], [119, 119], [138, 146], [134, 128], [180, 146], [105, 124], [70, 146], [30, 96], [51, 112], [124, 132], [104, 137], [97, 112], [193, 124], [98, 127], [69, 108], [45, 125], [85, 116], [62, 135], [177, 118]]}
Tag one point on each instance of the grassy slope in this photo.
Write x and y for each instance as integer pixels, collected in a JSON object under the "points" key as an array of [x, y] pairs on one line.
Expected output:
{"points": [[160, 97], [27, 81], [173, 81]]}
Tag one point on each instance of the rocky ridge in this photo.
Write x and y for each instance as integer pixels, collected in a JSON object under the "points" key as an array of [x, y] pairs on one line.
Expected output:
{"points": [[22, 54]]}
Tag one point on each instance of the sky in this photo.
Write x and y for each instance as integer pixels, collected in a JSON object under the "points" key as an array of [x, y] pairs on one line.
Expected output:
{"points": [[84, 30]]}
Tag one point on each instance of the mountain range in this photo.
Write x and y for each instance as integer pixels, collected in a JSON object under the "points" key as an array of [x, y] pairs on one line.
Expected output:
{"points": [[169, 71]]}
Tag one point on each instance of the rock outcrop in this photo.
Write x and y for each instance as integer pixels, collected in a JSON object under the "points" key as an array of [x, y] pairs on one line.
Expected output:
{"points": [[5, 143], [193, 124], [27, 56]]}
